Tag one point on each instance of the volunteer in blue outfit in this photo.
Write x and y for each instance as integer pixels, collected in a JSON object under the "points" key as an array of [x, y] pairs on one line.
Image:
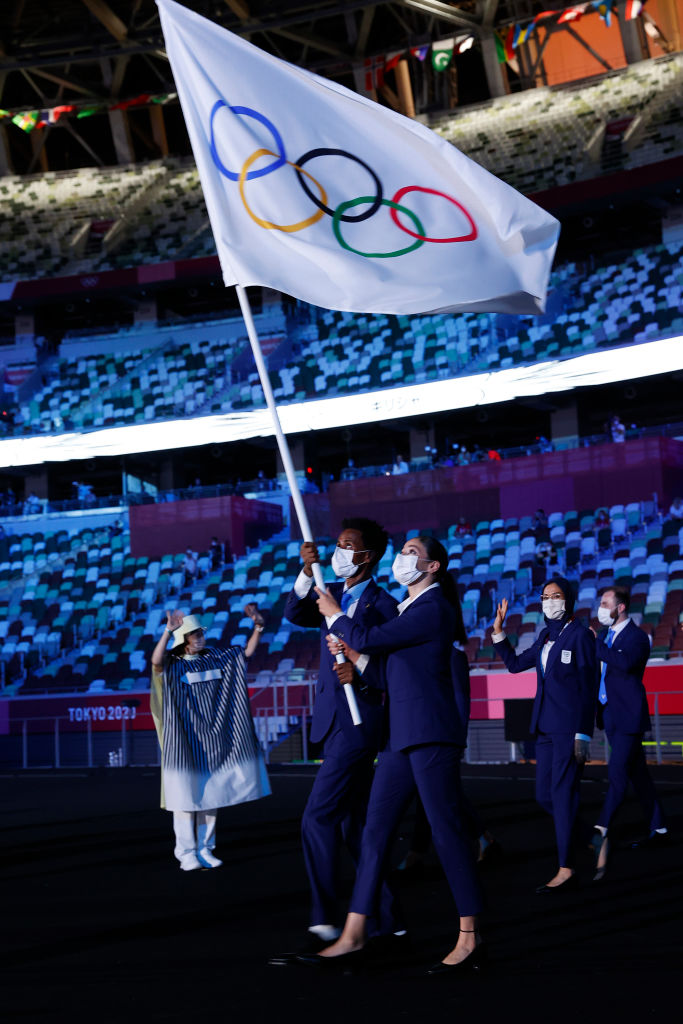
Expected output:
{"points": [[210, 756], [336, 807], [563, 713], [427, 730], [622, 653]]}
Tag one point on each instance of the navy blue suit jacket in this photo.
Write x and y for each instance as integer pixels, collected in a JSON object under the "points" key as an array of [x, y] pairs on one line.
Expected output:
{"points": [[460, 674], [420, 686], [374, 607], [625, 660], [567, 693]]}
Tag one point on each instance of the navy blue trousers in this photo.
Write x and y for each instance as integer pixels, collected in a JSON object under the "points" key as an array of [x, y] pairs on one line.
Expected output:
{"points": [[627, 764], [434, 770], [558, 776], [335, 814]]}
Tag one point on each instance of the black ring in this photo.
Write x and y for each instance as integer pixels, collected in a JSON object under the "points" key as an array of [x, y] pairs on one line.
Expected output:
{"points": [[349, 218]]}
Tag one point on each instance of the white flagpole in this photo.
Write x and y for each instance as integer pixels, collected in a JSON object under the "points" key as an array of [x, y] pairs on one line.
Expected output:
{"points": [[288, 466]]}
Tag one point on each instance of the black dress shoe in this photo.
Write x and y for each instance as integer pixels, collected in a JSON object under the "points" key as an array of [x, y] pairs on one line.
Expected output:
{"points": [[312, 945], [571, 883], [343, 962], [600, 844], [470, 965], [285, 960], [653, 841]]}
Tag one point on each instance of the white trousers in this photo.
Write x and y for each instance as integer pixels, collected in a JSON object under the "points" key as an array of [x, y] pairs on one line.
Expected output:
{"points": [[194, 831]]}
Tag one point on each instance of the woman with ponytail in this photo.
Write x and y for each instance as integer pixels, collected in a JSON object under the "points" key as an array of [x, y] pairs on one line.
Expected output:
{"points": [[563, 713], [427, 731]]}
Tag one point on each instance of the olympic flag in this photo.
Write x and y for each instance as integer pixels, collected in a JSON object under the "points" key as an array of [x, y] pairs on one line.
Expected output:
{"points": [[325, 195]]}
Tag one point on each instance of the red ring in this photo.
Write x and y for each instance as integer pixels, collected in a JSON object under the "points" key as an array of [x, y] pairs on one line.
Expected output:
{"points": [[432, 192]]}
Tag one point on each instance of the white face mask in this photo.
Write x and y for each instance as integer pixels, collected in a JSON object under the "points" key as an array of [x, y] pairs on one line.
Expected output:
{"points": [[553, 607], [342, 563], [405, 569], [605, 616]]}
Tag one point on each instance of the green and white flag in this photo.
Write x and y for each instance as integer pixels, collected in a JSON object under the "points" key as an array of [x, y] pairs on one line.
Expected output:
{"points": [[442, 54]]}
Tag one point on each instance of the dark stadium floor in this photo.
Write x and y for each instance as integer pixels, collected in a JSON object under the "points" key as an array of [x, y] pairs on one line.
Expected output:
{"points": [[99, 924]]}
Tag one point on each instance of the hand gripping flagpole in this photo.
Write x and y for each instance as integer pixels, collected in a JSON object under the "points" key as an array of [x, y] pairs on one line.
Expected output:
{"points": [[286, 457]]}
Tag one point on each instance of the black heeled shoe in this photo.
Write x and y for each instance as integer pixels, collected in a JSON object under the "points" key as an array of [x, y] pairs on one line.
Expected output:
{"points": [[470, 965], [600, 845], [343, 962], [568, 886]]}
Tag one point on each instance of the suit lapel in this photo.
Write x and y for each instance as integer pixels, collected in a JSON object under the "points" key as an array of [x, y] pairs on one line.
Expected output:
{"points": [[367, 598]]}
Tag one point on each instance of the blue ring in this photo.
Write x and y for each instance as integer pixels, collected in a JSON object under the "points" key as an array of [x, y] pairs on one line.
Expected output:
{"points": [[247, 111]]}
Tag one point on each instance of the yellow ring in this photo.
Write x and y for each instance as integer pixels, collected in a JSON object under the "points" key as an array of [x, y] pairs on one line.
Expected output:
{"points": [[267, 223]]}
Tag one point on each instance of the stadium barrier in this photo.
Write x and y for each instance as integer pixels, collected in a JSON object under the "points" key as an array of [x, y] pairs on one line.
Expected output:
{"points": [[122, 735]]}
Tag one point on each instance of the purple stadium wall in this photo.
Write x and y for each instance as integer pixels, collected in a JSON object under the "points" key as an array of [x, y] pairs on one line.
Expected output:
{"points": [[170, 527], [582, 478]]}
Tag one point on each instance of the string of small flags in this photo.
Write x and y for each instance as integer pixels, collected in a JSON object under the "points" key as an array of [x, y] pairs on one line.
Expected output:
{"points": [[507, 42], [30, 120]]}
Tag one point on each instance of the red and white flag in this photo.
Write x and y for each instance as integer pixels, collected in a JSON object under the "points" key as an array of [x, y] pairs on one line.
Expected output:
{"points": [[392, 60], [374, 72], [573, 13]]}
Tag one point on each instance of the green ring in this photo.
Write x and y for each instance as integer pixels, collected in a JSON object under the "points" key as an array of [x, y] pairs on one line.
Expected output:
{"points": [[343, 207]]}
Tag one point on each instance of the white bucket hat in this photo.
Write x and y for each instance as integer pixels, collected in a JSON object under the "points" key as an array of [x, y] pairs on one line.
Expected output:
{"points": [[188, 625]]}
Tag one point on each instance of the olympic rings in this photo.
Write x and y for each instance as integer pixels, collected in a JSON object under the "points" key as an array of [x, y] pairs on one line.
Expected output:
{"points": [[377, 202], [432, 192], [248, 112], [339, 215], [385, 202], [244, 175]]}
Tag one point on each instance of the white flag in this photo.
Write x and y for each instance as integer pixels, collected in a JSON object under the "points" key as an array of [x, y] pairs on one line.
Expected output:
{"points": [[325, 195]]}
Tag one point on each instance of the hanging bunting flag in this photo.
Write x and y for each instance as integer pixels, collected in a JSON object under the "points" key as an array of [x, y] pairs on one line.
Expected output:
{"points": [[632, 9], [49, 118], [5, 113], [139, 101], [543, 14], [57, 112], [392, 60], [523, 33], [509, 47], [463, 43], [604, 10], [89, 111], [442, 54], [419, 51], [572, 14], [500, 48], [26, 121], [374, 72]]}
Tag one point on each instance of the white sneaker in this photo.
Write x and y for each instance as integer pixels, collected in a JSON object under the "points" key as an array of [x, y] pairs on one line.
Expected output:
{"points": [[189, 862], [208, 860]]}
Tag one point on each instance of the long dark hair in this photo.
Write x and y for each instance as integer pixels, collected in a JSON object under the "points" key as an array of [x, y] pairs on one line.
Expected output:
{"points": [[436, 552]]}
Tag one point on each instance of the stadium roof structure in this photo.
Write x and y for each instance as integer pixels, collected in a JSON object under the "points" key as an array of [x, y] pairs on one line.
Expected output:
{"points": [[87, 52]]}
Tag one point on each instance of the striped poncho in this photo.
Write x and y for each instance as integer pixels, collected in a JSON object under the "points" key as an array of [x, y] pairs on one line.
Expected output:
{"points": [[210, 756]]}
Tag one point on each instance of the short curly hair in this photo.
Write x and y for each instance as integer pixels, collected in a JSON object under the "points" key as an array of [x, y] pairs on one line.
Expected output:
{"points": [[375, 537]]}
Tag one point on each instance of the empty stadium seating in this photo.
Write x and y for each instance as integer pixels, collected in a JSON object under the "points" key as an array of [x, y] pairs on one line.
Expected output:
{"points": [[77, 611], [636, 299], [118, 389], [93, 220], [542, 138]]}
